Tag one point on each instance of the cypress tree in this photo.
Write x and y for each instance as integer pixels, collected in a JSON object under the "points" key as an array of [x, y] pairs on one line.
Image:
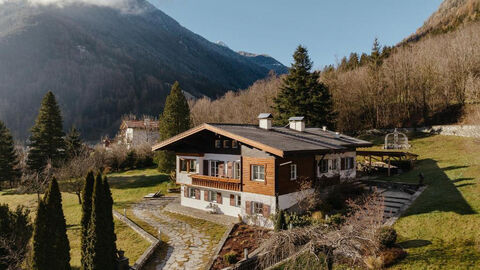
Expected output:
{"points": [[8, 156], [175, 119], [42, 242], [110, 225], [302, 94], [46, 141], [73, 143], [99, 249], [86, 215]]}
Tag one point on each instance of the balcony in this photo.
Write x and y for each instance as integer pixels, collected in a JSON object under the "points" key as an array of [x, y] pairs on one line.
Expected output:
{"points": [[216, 182]]}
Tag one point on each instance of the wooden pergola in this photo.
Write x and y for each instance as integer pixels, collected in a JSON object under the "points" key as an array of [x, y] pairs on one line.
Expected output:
{"points": [[384, 157]]}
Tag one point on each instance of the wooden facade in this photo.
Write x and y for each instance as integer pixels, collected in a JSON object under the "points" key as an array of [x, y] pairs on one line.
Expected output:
{"points": [[216, 182], [266, 187]]}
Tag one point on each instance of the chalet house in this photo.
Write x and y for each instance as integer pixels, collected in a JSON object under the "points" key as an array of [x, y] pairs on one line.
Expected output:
{"points": [[254, 170], [138, 132]]}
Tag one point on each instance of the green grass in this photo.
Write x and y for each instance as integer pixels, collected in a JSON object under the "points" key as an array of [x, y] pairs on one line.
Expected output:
{"points": [[127, 188], [441, 230]]}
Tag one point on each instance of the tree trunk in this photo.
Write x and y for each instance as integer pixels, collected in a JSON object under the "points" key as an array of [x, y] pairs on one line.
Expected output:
{"points": [[79, 196]]}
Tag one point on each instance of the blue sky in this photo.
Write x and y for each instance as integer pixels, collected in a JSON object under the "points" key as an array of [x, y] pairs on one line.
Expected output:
{"points": [[329, 29]]}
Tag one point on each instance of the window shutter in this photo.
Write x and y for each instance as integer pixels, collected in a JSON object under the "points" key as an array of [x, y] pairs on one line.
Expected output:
{"points": [[232, 200], [219, 198], [266, 210], [197, 194], [221, 169], [185, 191], [230, 169], [205, 195], [205, 167], [248, 207]]}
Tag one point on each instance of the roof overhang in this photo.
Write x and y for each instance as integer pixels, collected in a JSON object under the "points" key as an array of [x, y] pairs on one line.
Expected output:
{"points": [[220, 131]]}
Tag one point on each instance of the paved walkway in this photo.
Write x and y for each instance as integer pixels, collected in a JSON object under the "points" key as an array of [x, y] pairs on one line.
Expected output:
{"points": [[187, 246], [175, 207]]}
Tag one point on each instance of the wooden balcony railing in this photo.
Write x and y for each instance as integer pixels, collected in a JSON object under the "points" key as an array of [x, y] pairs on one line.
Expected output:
{"points": [[216, 182]]}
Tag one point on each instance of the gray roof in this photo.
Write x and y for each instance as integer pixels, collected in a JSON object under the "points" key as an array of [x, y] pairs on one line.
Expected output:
{"points": [[265, 116], [288, 140], [296, 118]]}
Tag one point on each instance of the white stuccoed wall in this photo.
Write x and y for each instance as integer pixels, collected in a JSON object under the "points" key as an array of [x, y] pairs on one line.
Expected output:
{"points": [[288, 200], [201, 204], [345, 174]]}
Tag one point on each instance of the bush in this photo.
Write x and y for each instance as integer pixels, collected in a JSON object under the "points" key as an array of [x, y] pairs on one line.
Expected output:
{"points": [[341, 193], [230, 257], [392, 255], [280, 223], [336, 219], [296, 220], [386, 236], [373, 262]]}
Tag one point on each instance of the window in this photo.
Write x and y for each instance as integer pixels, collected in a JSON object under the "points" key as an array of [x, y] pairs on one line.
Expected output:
{"points": [[188, 165], [257, 208], [258, 172], [293, 171], [238, 200], [226, 143], [334, 164], [191, 193], [217, 168], [218, 144], [236, 170], [323, 166], [234, 144], [347, 163], [212, 196]]}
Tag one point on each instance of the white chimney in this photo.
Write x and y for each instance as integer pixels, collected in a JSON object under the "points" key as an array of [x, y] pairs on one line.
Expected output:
{"points": [[297, 123], [265, 120], [324, 128], [337, 135]]}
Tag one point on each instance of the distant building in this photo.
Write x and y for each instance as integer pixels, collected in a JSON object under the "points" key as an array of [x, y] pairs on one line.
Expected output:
{"points": [[138, 132]]}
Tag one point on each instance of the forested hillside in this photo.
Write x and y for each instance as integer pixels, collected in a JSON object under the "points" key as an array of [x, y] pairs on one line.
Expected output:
{"points": [[431, 81], [103, 61]]}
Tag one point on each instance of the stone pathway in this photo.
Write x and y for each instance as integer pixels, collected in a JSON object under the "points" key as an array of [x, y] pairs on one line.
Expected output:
{"points": [[187, 246]]}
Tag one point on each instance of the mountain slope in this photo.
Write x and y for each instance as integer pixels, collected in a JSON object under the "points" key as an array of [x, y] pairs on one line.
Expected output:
{"points": [[266, 61], [103, 62]]}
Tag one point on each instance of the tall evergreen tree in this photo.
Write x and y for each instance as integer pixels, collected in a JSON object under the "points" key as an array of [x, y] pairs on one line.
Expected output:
{"points": [[46, 141], [110, 226], [51, 246], [8, 156], [302, 94], [100, 247], [174, 120], [16, 230], [87, 193], [73, 143]]}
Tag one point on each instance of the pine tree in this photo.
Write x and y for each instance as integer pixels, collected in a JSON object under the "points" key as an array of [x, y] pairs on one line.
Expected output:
{"points": [[46, 141], [51, 249], [100, 247], [87, 193], [174, 120], [280, 223], [73, 143], [302, 94], [110, 226], [8, 156], [375, 56]]}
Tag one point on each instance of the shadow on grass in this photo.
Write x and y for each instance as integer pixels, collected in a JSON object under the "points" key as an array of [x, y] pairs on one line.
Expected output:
{"points": [[441, 194], [137, 181], [414, 243]]}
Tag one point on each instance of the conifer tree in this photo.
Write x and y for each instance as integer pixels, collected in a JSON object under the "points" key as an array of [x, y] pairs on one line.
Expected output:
{"points": [[174, 120], [302, 94], [99, 249], [73, 143], [110, 226], [46, 141], [87, 193], [8, 156], [51, 246]]}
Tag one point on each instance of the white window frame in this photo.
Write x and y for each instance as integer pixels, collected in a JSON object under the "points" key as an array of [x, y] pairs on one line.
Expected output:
{"points": [[238, 200], [191, 193], [237, 169], [213, 170], [293, 171], [212, 196], [257, 173], [255, 206]]}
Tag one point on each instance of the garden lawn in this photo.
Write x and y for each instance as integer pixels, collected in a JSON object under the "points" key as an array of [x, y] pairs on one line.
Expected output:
{"points": [[127, 188], [441, 230]]}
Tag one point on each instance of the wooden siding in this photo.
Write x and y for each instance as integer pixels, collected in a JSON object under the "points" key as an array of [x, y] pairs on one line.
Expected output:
{"points": [[266, 187], [305, 169]]}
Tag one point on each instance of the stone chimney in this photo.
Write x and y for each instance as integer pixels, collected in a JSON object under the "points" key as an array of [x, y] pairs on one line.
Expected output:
{"points": [[297, 123], [265, 121]]}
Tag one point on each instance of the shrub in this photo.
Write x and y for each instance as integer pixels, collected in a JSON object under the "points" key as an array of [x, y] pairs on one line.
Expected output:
{"points": [[230, 257], [296, 220], [318, 216], [373, 262], [392, 255], [336, 219], [386, 236], [280, 223]]}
